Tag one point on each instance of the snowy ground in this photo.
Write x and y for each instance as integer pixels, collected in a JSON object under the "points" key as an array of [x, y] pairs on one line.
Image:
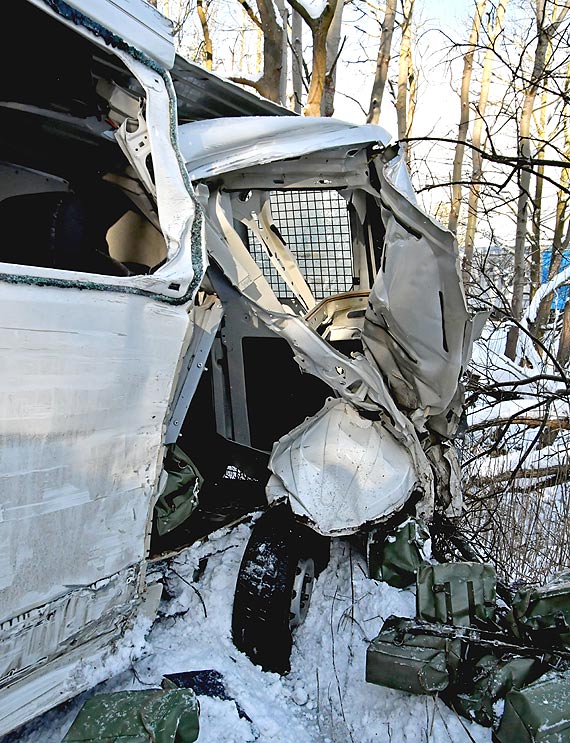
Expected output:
{"points": [[324, 698]]}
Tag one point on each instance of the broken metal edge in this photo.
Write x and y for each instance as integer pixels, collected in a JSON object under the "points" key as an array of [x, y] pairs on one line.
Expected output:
{"points": [[76, 671]]}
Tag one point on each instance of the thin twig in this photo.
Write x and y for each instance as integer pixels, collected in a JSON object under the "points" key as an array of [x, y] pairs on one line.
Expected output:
{"points": [[196, 591]]}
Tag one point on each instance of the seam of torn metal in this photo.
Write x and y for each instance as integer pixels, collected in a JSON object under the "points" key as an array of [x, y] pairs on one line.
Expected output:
{"points": [[88, 285]]}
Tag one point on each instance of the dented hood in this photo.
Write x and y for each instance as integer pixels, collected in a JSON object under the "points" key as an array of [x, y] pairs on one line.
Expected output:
{"points": [[219, 146]]}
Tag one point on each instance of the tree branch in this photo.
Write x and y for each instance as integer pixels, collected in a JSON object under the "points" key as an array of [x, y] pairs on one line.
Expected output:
{"points": [[254, 19]]}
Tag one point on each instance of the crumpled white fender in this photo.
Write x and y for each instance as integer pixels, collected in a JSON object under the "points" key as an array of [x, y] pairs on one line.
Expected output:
{"points": [[341, 471]]}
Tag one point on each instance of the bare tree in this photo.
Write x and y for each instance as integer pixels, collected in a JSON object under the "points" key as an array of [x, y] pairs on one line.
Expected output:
{"points": [[333, 51], [270, 23], [563, 353], [297, 60], [319, 28], [464, 116], [406, 91], [382, 63], [476, 138], [203, 16], [545, 30]]}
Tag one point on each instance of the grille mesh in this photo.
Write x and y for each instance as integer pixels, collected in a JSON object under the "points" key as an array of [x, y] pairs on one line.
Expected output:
{"points": [[315, 226]]}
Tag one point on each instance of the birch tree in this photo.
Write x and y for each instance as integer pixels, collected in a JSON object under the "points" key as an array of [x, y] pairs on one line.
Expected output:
{"points": [[406, 90], [382, 63], [477, 139], [464, 116], [546, 29]]}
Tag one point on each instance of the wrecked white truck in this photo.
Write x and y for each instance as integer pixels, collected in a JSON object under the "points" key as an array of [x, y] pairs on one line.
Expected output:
{"points": [[261, 291]]}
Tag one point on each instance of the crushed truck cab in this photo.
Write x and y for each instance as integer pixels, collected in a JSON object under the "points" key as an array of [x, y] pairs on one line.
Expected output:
{"points": [[185, 265]]}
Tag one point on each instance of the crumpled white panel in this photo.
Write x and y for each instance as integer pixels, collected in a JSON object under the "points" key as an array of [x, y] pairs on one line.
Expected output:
{"points": [[219, 146], [340, 470]]}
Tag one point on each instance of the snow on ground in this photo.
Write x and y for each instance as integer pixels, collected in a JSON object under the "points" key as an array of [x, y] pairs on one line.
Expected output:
{"points": [[324, 698]]}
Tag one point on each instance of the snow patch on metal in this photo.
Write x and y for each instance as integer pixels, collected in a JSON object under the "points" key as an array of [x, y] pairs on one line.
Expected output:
{"points": [[341, 471]]}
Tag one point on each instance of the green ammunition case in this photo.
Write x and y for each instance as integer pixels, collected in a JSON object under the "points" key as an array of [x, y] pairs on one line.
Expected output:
{"points": [[149, 716], [543, 613], [539, 713], [458, 593], [397, 556], [411, 661]]}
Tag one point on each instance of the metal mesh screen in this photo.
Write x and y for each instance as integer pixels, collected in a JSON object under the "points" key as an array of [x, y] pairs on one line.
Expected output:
{"points": [[315, 226]]}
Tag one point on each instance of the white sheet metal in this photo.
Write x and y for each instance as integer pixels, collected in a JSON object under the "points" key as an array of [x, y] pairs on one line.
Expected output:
{"points": [[417, 327], [86, 381], [225, 145], [341, 471]]}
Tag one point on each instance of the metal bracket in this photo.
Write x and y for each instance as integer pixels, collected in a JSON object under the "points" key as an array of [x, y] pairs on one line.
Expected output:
{"points": [[132, 137], [207, 319]]}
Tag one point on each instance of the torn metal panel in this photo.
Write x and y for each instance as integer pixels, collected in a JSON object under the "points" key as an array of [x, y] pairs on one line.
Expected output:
{"points": [[340, 471], [31, 639], [222, 146], [417, 326], [81, 667], [180, 217]]}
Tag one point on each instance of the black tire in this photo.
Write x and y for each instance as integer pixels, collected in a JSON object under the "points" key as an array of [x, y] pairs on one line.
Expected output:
{"points": [[261, 620]]}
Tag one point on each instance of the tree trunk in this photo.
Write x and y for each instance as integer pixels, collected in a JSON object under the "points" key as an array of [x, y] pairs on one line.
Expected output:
{"points": [[464, 116], [208, 56], [537, 202], [334, 48], [560, 240], [297, 61], [563, 354], [318, 70], [559, 244], [284, 15], [382, 63], [544, 34], [269, 84], [477, 140], [319, 30], [405, 72]]}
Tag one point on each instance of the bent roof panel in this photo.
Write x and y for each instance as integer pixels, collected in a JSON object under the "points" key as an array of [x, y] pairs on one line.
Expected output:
{"points": [[205, 95], [223, 145]]}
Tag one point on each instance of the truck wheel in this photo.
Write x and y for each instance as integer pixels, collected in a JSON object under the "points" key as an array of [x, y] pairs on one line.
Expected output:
{"points": [[273, 590]]}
